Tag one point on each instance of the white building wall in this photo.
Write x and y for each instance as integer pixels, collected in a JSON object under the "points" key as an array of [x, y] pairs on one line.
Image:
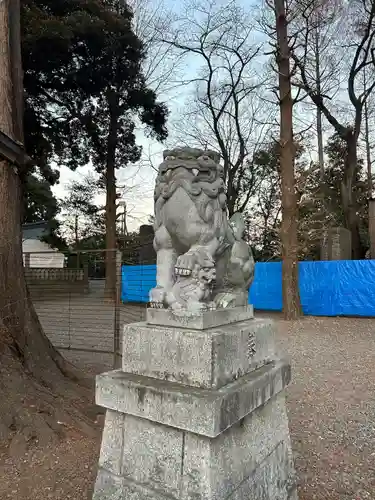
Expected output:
{"points": [[42, 255]]}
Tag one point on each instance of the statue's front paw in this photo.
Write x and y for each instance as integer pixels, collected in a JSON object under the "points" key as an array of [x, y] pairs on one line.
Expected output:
{"points": [[195, 306], [157, 297], [235, 298], [185, 264], [224, 300], [192, 261]]}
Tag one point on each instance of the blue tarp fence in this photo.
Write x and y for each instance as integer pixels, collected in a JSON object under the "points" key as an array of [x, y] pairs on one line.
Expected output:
{"points": [[334, 288]]}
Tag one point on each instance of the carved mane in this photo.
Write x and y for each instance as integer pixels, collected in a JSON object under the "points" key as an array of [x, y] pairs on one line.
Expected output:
{"points": [[197, 172]]}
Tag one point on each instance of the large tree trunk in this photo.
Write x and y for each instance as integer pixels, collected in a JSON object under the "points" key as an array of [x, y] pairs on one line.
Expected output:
{"points": [[37, 384], [291, 299], [231, 201], [368, 150], [319, 126], [111, 239], [367, 137], [349, 203]]}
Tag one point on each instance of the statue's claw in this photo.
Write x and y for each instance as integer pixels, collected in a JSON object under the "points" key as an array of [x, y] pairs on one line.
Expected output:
{"points": [[156, 305], [182, 272], [224, 300], [185, 264], [157, 297]]}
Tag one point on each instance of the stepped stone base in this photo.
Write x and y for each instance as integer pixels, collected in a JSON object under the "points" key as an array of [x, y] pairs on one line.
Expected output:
{"points": [[178, 434], [199, 320], [201, 358]]}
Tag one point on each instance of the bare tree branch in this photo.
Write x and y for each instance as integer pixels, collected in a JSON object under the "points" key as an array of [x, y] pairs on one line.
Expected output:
{"points": [[225, 110]]}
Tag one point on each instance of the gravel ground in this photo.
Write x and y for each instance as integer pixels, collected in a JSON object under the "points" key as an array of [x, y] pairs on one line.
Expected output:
{"points": [[331, 405], [332, 420]]}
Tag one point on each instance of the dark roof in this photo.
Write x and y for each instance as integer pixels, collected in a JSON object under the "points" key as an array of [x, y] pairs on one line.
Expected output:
{"points": [[34, 230]]}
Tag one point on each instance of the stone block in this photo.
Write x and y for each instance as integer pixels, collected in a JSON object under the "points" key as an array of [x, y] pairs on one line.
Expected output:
{"points": [[111, 487], [371, 227], [132, 491], [202, 411], [274, 479], [208, 359], [200, 320], [108, 486], [112, 442], [336, 244], [152, 455], [215, 468], [250, 460]]}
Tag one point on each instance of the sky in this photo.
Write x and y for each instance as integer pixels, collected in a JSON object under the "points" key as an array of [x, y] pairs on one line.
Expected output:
{"points": [[138, 180]]}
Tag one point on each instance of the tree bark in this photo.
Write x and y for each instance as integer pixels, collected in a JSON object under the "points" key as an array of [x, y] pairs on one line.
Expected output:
{"points": [[368, 151], [231, 196], [348, 202], [319, 127], [291, 299], [111, 239], [16, 69], [367, 141], [17, 312], [76, 237], [31, 369]]}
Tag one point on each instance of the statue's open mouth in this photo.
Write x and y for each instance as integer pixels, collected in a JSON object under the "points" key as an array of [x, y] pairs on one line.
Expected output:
{"points": [[206, 175]]}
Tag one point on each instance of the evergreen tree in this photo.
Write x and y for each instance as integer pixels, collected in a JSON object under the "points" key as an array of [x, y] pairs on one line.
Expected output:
{"points": [[83, 220]]}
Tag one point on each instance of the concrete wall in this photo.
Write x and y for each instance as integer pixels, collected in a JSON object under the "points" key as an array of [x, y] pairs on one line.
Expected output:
{"points": [[43, 282]]}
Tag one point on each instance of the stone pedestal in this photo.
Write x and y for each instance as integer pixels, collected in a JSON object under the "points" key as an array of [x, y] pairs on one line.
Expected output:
{"points": [[196, 414]]}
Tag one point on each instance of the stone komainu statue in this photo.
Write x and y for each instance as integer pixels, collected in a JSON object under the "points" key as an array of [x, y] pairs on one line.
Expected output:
{"points": [[202, 260]]}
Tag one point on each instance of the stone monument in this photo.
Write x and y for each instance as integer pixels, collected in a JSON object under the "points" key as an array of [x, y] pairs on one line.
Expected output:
{"points": [[197, 411], [371, 227], [336, 244]]}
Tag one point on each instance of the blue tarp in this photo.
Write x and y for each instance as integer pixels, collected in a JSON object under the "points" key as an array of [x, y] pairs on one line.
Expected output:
{"points": [[137, 281], [334, 288]]}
